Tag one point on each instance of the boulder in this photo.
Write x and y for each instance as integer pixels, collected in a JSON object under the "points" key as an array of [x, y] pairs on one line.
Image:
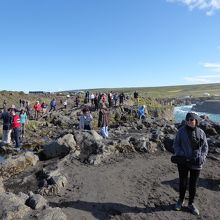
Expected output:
{"points": [[31, 158], [12, 207], [88, 141], [168, 142], [52, 182], [103, 152], [60, 147], [36, 201], [60, 120], [151, 147], [124, 146], [140, 144], [16, 164]]}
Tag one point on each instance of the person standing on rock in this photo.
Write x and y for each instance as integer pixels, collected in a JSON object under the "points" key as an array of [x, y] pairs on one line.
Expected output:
{"points": [[7, 122], [141, 112], [53, 105], [23, 120], [96, 102], [121, 98], [4, 104], [77, 101], [103, 120], [191, 144], [16, 126], [65, 104], [135, 97], [85, 120], [28, 109], [92, 97], [37, 110]]}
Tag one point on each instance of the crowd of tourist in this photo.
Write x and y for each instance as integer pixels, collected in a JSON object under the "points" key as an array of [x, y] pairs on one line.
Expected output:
{"points": [[15, 118]]}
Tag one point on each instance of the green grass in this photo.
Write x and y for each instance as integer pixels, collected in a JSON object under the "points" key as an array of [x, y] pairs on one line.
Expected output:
{"points": [[168, 91], [144, 92]]}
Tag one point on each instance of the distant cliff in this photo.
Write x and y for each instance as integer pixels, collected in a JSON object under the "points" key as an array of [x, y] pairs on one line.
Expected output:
{"points": [[209, 106]]}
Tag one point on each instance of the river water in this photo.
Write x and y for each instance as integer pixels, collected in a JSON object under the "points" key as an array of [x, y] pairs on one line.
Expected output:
{"points": [[181, 111]]}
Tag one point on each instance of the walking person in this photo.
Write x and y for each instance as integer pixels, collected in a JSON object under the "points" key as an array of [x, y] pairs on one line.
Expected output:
{"points": [[53, 105], [190, 143]]}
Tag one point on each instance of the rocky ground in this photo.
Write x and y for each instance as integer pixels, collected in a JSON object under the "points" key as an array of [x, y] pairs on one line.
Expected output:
{"points": [[128, 186], [63, 173]]}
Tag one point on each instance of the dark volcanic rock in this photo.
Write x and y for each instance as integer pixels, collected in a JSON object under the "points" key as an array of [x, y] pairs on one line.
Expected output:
{"points": [[210, 106]]}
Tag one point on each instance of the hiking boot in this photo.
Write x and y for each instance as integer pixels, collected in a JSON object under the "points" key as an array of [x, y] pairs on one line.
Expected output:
{"points": [[192, 208], [179, 205]]}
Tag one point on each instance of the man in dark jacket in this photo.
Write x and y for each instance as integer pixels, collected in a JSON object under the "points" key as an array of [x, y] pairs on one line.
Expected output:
{"points": [[191, 143], [7, 126], [135, 97]]}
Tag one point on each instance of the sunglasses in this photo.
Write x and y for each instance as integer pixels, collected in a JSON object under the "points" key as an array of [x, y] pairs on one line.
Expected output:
{"points": [[191, 119]]}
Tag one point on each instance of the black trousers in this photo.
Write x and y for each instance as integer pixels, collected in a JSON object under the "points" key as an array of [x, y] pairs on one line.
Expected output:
{"points": [[16, 136], [183, 181]]}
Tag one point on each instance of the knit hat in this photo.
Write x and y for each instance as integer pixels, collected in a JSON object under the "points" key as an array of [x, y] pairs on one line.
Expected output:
{"points": [[192, 115]]}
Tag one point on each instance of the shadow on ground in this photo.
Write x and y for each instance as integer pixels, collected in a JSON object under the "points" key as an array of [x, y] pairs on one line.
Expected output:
{"points": [[107, 210]]}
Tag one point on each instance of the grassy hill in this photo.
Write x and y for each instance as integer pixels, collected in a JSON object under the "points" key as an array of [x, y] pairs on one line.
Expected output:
{"points": [[150, 92], [168, 91]]}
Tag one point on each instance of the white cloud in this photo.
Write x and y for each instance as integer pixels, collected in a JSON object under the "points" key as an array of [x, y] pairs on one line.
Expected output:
{"points": [[214, 67], [208, 78], [203, 79], [211, 65], [196, 79], [209, 6]]}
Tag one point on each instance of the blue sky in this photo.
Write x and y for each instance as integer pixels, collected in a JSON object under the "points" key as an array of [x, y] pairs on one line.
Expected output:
{"points": [[54, 45]]}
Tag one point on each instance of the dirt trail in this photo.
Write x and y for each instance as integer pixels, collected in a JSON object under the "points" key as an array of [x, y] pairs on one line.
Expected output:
{"points": [[134, 187]]}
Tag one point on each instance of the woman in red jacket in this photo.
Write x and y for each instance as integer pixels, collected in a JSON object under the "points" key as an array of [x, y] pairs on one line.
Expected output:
{"points": [[16, 126], [37, 109]]}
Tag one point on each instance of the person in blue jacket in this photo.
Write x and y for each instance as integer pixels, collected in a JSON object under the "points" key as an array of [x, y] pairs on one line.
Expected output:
{"points": [[191, 143], [141, 112], [53, 105]]}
